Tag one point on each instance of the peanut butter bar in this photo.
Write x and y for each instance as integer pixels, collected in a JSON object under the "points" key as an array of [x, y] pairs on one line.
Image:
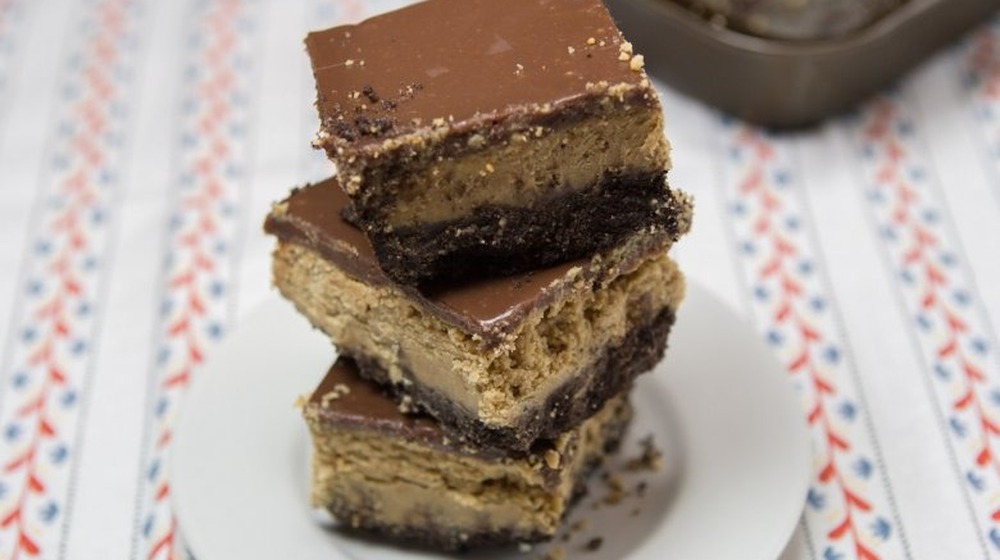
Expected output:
{"points": [[378, 469], [479, 137], [502, 361]]}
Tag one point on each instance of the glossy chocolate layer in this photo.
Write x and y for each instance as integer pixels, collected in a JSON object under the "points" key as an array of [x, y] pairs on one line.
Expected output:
{"points": [[463, 61], [312, 217], [343, 398]]}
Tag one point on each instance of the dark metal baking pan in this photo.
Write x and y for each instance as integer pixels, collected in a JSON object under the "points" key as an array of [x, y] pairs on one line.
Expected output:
{"points": [[789, 83]]}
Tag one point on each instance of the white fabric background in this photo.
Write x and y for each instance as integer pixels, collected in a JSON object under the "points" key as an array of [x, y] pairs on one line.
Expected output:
{"points": [[826, 193]]}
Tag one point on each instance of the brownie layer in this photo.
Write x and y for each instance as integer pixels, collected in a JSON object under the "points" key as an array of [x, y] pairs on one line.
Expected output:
{"points": [[499, 239], [448, 137], [380, 470]]}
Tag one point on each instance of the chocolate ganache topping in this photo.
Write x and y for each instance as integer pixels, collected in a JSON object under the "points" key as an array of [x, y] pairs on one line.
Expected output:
{"points": [[503, 59]]}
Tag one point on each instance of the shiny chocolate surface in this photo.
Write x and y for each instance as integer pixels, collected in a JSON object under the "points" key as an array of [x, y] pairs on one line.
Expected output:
{"points": [[343, 398], [466, 62]]}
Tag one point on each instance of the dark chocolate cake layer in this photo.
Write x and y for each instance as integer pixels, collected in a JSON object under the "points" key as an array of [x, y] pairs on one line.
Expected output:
{"points": [[501, 240]]}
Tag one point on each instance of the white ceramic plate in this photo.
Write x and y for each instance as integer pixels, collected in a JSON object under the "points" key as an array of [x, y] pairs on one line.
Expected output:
{"points": [[719, 408]]}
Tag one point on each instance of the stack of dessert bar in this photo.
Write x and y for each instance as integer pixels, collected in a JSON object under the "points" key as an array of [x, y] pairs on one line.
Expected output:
{"points": [[490, 261]]}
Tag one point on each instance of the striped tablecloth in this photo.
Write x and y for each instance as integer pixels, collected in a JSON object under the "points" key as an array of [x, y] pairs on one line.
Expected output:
{"points": [[142, 142]]}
